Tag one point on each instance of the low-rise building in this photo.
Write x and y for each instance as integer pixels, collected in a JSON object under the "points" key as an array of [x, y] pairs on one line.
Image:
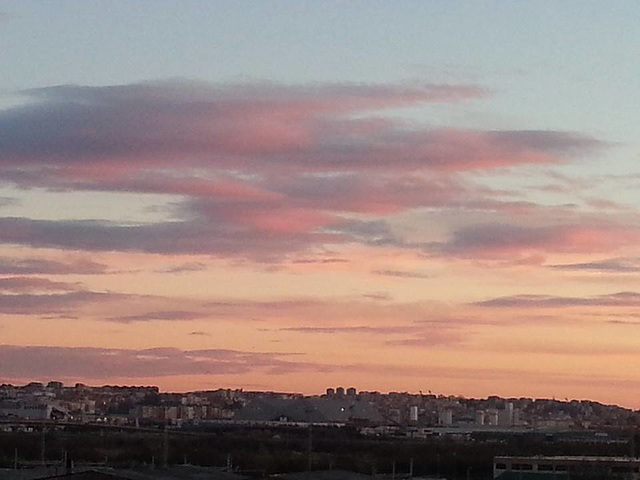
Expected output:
{"points": [[575, 467]]}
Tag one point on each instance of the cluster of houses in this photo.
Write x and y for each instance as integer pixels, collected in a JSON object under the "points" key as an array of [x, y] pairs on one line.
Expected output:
{"points": [[372, 411]]}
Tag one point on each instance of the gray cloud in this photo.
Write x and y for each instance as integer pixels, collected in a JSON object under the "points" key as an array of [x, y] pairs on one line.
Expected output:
{"points": [[431, 338], [553, 141], [359, 329], [185, 268], [37, 266], [499, 240], [104, 363], [169, 315], [188, 120], [378, 296], [258, 127], [497, 237], [418, 334], [330, 260], [194, 236], [611, 265], [25, 284], [51, 303], [401, 274], [620, 299], [188, 237]]}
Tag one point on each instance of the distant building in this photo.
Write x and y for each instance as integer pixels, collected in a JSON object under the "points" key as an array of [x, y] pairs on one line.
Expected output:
{"points": [[182, 472], [505, 417], [575, 467], [445, 418], [351, 391], [309, 410], [331, 392], [413, 414], [27, 412], [34, 386], [340, 391], [492, 417]]}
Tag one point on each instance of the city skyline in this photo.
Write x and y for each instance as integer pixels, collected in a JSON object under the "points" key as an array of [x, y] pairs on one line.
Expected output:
{"points": [[38, 386], [283, 195]]}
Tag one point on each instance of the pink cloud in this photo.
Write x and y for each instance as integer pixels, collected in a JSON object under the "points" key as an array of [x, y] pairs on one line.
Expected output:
{"points": [[414, 335], [610, 265], [168, 315], [155, 121], [264, 170], [25, 284], [51, 303], [499, 240], [37, 266], [402, 274], [619, 299], [104, 363], [114, 130]]}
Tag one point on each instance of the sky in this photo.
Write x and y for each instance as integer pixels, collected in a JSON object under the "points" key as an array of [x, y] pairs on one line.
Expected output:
{"points": [[397, 196]]}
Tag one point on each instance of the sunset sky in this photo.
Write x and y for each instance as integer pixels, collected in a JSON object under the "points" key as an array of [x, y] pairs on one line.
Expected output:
{"points": [[392, 195]]}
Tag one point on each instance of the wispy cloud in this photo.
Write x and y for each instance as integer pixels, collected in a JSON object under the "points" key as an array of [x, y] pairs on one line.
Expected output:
{"points": [[620, 299], [179, 237], [199, 333], [25, 284], [170, 315], [500, 240], [104, 363], [415, 334], [323, 261], [401, 274], [184, 268], [51, 303], [610, 265], [192, 120], [41, 266]]}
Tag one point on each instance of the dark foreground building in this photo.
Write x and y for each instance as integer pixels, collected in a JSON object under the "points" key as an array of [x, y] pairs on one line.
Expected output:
{"points": [[565, 467], [178, 472]]}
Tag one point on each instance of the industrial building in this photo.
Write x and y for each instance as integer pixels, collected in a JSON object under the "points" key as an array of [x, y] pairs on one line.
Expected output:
{"points": [[576, 467]]}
